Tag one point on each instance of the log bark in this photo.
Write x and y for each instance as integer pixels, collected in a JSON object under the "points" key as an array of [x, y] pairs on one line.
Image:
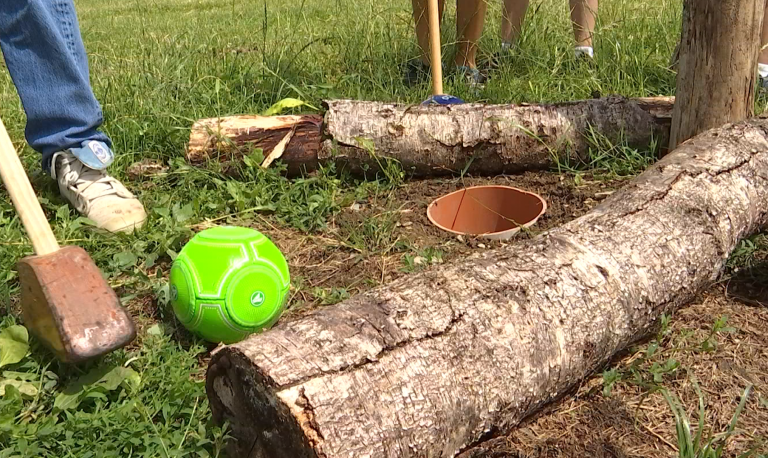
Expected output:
{"points": [[718, 54], [434, 362], [432, 141]]}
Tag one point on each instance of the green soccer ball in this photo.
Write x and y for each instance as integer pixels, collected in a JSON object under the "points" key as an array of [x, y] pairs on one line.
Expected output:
{"points": [[229, 282]]}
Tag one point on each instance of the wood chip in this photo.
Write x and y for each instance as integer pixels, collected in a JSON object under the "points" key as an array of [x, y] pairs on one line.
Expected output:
{"points": [[278, 150], [603, 194]]}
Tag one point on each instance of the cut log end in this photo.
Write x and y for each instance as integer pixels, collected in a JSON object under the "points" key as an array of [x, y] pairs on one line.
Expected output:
{"points": [[262, 424]]}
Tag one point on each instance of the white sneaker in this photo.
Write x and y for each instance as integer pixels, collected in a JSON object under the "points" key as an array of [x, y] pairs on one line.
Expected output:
{"points": [[584, 51], [96, 195]]}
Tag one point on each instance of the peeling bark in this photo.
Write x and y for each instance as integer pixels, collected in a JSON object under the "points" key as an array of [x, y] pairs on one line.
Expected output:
{"points": [[432, 363], [230, 138], [434, 141]]}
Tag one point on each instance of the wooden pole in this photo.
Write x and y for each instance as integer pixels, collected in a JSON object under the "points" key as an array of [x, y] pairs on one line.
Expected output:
{"points": [[717, 66], [435, 60]]}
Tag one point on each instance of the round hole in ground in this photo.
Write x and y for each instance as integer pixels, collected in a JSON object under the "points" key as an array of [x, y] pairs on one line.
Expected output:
{"points": [[495, 212]]}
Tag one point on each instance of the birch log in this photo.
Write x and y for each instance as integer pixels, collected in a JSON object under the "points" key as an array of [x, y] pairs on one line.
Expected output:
{"points": [[430, 364], [433, 141]]}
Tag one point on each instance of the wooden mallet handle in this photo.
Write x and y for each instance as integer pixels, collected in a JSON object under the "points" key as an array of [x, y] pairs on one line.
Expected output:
{"points": [[24, 199], [434, 47]]}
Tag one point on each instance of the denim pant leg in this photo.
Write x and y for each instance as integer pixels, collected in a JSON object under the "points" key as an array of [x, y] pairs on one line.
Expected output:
{"points": [[46, 59]]}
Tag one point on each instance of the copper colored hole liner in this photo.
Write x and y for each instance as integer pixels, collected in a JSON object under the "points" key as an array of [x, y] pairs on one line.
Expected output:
{"points": [[495, 212]]}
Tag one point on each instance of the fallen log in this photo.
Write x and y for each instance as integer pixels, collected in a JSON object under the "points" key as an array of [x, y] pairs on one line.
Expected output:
{"points": [[433, 141], [432, 363]]}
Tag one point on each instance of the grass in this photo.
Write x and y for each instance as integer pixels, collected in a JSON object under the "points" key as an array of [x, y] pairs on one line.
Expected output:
{"points": [[655, 368], [157, 66], [692, 445]]}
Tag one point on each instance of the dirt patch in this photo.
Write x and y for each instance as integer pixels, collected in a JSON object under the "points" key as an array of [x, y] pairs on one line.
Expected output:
{"points": [[630, 422], [381, 238]]}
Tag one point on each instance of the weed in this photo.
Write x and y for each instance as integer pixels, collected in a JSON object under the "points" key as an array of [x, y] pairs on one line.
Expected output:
{"points": [[607, 160], [374, 235], [391, 169], [144, 402], [610, 378], [710, 343], [692, 445], [422, 259], [746, 253], [330, 296]]}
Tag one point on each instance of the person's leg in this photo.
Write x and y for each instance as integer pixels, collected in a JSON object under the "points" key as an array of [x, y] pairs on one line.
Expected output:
{"points": [[418, 69], [512, 17], [46, 59], [762, 61], [421, 18], [45, 56], [470, 18], [583, 16]]}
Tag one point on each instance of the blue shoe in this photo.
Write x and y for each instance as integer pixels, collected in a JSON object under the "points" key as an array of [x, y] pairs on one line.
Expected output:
{"points": [[443, 99]]}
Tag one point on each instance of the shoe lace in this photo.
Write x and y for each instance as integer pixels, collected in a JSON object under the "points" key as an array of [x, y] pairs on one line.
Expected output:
{"points": [[85, 183]]}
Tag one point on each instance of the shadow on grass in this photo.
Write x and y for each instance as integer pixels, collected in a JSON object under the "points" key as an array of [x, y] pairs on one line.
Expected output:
{"points": [[594, 430], [749, 285]]}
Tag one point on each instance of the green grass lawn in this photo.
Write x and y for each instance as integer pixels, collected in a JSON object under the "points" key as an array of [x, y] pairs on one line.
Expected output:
{"points": [[159, 65]]}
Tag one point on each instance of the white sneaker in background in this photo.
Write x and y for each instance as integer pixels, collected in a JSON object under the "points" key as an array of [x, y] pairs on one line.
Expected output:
{"points": [[584, 51], [96, 195]]}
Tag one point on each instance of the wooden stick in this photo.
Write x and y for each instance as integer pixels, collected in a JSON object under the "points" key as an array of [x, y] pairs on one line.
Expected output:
{"points": [[24, 199], [436, 60]]}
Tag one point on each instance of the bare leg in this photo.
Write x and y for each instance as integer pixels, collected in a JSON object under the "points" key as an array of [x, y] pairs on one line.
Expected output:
{"points": [[470, 17], [583, 15], [512, 17], [421, 17]]}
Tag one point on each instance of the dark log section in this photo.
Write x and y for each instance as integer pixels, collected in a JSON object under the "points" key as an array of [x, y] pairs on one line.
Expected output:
{"points": [[433, 141], [227, 139], [430, 364]]}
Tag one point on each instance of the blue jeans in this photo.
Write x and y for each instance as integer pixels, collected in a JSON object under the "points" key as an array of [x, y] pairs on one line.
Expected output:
{"points": [[46, 59]]}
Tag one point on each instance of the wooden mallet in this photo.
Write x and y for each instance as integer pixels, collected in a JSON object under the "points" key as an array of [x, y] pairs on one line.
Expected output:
{"points": [[65, 301]]}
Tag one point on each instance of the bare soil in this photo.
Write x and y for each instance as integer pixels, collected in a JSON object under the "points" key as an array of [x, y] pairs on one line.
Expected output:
{"points": [[380, 239]]}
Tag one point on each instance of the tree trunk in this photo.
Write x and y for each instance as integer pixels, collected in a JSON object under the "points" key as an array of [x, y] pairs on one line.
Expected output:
{"points": [[432, 363], [434, 141], [717, 65]]}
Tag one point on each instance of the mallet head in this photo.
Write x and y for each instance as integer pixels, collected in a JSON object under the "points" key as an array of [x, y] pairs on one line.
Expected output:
{"points": [[70, 307]]}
